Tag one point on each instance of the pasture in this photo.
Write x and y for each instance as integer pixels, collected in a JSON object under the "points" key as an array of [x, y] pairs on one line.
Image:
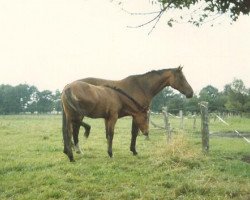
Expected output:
{"points": [[32, 165]]}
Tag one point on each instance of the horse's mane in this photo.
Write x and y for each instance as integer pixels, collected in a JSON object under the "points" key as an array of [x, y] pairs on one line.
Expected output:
{"points": [[152, 72]]}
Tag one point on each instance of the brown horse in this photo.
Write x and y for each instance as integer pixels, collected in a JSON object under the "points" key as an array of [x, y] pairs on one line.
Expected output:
{"points": [[81, 99], [140, 89]]}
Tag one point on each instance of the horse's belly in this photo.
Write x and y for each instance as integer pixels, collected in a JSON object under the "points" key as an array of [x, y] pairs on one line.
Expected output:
{"points": [[97, 111], [94, 114]]}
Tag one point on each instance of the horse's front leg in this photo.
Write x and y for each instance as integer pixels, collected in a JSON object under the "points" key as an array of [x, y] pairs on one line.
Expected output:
{"points": [[134, 133], [110, 124], [110, 143]]}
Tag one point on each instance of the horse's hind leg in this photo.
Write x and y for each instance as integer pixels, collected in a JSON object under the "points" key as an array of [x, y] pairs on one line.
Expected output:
{"points": [[67, 137], [76, 127], [87, 129], [67, 141]]}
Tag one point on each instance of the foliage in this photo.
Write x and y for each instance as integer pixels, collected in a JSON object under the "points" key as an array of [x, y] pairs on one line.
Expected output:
{"points": [[215, 99], [206, 10], [24, 98], [209, 93], [160, 99], [237, 96], [44, 103], [32, 165], [234, 98]]}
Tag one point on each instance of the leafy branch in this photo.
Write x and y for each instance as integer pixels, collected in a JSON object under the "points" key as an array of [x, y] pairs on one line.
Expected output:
{"points": [[201, 11]]}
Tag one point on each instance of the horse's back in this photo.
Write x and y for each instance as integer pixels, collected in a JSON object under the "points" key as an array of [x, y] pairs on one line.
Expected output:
{"points": [[99, 81], [94, 101]]}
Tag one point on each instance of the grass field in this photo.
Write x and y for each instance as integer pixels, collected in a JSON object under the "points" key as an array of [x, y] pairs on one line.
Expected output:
{"points": [[32, 165]]}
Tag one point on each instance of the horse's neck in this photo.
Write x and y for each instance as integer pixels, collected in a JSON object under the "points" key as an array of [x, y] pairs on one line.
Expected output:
{"points": [[158, 86], [144, 87]]}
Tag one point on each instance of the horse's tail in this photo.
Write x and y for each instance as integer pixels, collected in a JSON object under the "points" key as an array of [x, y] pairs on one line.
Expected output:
{"points": [[73, 104], [66, 102], [64, 130], [63, 121]]}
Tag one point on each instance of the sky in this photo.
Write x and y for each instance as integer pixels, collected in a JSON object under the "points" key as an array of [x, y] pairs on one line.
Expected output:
{"points": [[49, 43]]}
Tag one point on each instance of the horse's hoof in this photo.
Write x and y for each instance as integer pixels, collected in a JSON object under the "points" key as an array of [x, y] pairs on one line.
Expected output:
{"points": [[65, 151], [110, 154], [71, 159], [133, 151], [86, 133]]}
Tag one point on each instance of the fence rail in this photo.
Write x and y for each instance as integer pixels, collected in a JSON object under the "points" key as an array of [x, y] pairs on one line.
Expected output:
{"points": [[181, 122]]}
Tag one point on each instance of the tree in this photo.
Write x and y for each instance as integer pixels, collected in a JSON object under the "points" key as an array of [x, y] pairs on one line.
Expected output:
{"points": [[24, 98], [247, 104], [45, 101], [233, 8], [24, 93], [237, 96], [57, 101], [176, 103], [216, 100], [200, 11], [192, 104], [160, 100], [32, 103], [211, 95], [220, 102], [14, 100], [10, 100]]}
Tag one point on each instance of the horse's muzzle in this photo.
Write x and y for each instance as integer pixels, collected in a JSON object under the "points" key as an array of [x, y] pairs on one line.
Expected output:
{"points": [[190, 94]]}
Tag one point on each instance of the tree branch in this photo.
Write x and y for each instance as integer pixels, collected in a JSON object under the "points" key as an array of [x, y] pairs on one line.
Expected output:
{"points": [[156, 18], [146, 13], [200, 11]]}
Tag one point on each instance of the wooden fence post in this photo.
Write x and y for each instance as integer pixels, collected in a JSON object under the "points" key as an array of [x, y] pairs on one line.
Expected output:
{"points": [[204, 126], [167, 124], [181, 119]]}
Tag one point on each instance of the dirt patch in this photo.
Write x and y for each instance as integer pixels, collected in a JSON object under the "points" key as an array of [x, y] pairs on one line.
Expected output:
{"points": [[246, 159], [230, 134]]}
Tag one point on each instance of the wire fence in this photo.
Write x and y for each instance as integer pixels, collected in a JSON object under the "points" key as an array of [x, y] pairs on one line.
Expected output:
{"points": [[218, 124]]}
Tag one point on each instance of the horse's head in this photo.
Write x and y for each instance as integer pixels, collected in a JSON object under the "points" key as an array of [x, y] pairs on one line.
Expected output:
{"points": [[141, 119], [179, 82]]}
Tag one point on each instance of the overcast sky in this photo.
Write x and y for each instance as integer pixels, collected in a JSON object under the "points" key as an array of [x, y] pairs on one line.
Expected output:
{"points": [[49, 43]]}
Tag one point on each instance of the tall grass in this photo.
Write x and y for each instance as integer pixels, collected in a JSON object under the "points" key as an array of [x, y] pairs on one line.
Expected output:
{"points": [[32, 165]]}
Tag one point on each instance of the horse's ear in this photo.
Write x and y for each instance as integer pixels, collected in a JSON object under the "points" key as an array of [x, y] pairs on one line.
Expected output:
{"points": [[180, 68]]}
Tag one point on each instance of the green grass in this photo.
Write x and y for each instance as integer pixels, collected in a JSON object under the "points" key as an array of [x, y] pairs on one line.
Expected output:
{"points": [[32, 165]]}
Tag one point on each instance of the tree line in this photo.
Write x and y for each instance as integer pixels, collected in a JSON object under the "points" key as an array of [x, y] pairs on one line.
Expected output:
{"points": [[235, 98], [28, 99]]}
